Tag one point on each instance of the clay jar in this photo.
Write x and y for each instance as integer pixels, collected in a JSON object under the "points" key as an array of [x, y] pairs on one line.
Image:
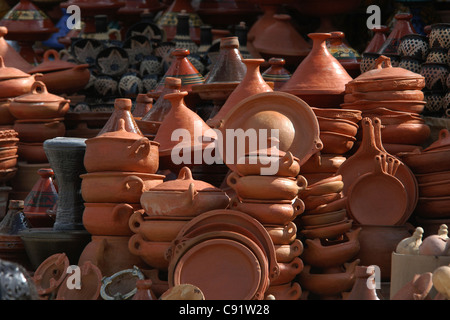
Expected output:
{"points": [[39, 104], [183, 197], [108, 218], [14, 82], [270, 212], [32, 130], [121, 151], [266, 187], [111, 186]]}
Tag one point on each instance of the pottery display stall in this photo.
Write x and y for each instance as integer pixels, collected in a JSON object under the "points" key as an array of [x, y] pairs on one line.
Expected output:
{"points": [[395, 96]]}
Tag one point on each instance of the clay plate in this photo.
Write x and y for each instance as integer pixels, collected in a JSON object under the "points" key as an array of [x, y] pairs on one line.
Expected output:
{"points": [[297, 124], [221, 268]]}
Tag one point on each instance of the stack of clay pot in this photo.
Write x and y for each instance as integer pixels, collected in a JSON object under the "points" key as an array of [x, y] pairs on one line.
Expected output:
{"points": [[330, 244], [395, 96], [167, 208], [8, 154], [39, 117], [121, 164], [431, 169], [271, 198]]}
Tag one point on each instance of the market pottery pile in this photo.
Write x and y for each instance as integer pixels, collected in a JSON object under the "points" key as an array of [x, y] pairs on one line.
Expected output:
{"points": [[112, 188], [430, 168], [8, 160], [330, 243]]}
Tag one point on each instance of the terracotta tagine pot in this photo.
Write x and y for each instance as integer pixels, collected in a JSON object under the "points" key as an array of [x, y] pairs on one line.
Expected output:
{"points": [[41, 199], [122, 110], [144, 290], [144, 104], [345, 54], [38, 130], [61, 76], [117, 186], [121, 151], [276, 73], [402, 27], [379, 38], [14, 82], [26, 24], [11, 57], [281, 39], [183, 196], [39, 104], [252, 84], [319, 79], [110, 254]]}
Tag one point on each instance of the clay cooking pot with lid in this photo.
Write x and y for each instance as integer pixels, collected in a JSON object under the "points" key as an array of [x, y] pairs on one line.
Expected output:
{"points": [[183, 196], [14, 82], [121, 151]]}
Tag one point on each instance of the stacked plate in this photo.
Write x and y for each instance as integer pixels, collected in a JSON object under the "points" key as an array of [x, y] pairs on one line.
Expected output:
{"points": [[329, 242], [8, 154], [227, 254], [431, 167], [395, 96]]}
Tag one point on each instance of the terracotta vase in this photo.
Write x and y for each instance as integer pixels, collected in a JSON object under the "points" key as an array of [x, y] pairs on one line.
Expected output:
{"points": [[344, 53], [41, 199], [361, 290], [402, 27], [110, 254], [181, 117], [252, 84], [378, 39], [281, 39], [65, 156], [319, 79], [276, 73], [26, 24], [144, 290], [161, 107], [122, 110]]}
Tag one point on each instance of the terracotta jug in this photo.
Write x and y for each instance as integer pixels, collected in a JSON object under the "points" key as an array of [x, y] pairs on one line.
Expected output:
{"points": [[161, 107], [319, 79], [252, 84], [403, 26], [41, 198], [378, 39], [363, 289], [144, 290], [181, 68], [276, 73], [122, 110]]}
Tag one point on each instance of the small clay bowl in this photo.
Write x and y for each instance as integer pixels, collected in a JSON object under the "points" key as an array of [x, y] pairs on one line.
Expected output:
{"points": [[32, 152], [427, 162], [336, 143], [8, 162], [435, 189], [324, 218], [432, 177], [330, 231], [343, 126], [312, 202], [329, 207]]}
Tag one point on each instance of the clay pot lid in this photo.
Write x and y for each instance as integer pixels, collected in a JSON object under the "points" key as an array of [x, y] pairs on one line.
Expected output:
{"points": [[51, 273], [7, 73], [122, 284], [52, 62], [120, 133], [183, 182], [91, 280], [385, 71], [237, 277], [39, 93]]}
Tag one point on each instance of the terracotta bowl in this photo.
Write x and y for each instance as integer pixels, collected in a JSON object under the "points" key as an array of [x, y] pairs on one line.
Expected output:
{"points": [[8, 151], [152, 253], [336, 143], [329, 207], [32, 152], [157, 229], [433, 207], [327, 231], [108, 218], [148, 127], [322, 163], [396, 148], [427, 162], [343, 126], [432, 177], [39, 130], [332, 184], [8, 162], [117, 187], [435, 189], [405, 133], [324, 218], [346, 114], [317, 176]]}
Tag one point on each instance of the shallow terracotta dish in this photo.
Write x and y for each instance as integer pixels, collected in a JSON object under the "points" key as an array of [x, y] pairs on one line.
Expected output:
{"points": [[333, 113], [297, 124], [287, 252], [237, 276], [288, 271], [332, 184], [427, 162], [8, 151], [243, 220], [343, 126], [435, 189], [8, 162], [325, 218], [433, 207], [287, 291], [336, 143], [432, 177], [405, 133], [329, 207], [312, 202], [330, 231], [39, 130], [377, 198]]}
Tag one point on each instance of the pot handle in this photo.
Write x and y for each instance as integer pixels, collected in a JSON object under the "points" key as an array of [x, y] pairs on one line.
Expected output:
{"points": [[302, 183], [135, 245], [133, 184], [444, 133], [141, 147], [122, 211], [191, 192], [185, 174], [296, 265], [296, 247], [39, 87], [232, 179], [288, 159], [51, 53], [135, 221], [299, 207], [383, 60], [289, 230]]}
